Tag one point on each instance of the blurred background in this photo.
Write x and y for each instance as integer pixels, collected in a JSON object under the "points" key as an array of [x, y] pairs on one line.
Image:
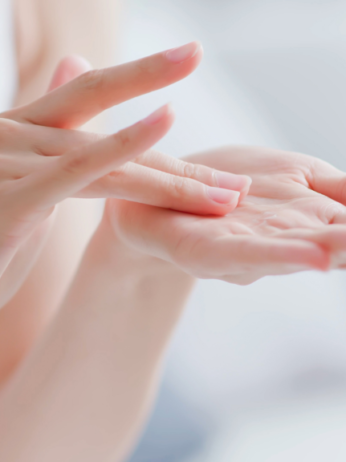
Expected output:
{"points": [[253, 373]]}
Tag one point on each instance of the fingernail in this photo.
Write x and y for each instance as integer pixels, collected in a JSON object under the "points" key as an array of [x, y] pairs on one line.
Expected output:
{"points": [[232, 181], [178, 55], [158, 115], [223, 196]]}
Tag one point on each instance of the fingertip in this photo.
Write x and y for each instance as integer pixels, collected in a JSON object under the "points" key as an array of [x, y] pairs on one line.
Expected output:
{"points": [[199, 54], [183, 61], [170, 115], [192, 64], [247, 180], [200, 47], [223, 197], [232, 181], [246, 188], [164, 113], [232, 205], [185, 52]]}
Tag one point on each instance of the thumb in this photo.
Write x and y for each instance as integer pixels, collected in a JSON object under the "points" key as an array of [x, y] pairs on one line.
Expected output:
{"points": [[68, 69]]}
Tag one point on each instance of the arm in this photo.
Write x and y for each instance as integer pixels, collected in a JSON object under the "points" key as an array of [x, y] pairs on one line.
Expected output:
{"points": [[35, 145], [88, 385], [46, 31], [292, 220]]}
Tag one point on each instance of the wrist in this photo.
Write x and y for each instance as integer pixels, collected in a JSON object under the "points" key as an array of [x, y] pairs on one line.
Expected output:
{"points": [[110, 250], [112, 274]]}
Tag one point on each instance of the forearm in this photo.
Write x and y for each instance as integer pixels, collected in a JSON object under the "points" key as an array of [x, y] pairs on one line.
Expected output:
{"points": [[87, 386], [46, 31]]}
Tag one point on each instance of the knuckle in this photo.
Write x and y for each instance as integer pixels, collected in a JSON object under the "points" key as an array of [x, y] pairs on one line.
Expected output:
{"points": [[118, 177], [8, 129], [178, 186], [147, 158], [200, 173], [190, 170], [117, 182], [123, 139], [75, 164]]}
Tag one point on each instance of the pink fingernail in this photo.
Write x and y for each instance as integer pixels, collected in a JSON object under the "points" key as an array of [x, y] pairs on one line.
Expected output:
{"points": [[178, 55], [158, 115], [223, 196], [231, 181]]}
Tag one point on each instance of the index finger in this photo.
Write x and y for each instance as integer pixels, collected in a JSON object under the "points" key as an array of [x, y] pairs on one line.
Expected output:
{"points": [[76, 102], [73, 171]]}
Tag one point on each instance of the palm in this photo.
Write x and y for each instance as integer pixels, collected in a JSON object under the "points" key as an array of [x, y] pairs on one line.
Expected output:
{"points": [[280, 199], [262, 236]]}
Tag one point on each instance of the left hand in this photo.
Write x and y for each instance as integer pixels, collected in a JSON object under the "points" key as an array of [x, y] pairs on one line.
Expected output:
{"points": [[37, 138], [43, 130], [292, 220]]}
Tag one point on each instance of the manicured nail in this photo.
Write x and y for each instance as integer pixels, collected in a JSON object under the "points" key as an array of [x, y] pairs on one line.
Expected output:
{"points": [[158, 115], [231, 181], [223, 196], [178, 55]]}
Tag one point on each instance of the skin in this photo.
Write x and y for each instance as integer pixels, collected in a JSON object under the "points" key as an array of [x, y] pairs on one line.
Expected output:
{"points": [[135, 290], [293, 219], [124, 302], [38, 276], [87, 386], [83, 393], [45, 160], [41, 44]]}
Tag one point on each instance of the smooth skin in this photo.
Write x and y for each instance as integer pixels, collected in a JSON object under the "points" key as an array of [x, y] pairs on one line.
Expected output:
{"points": [[42, 165], [293, 219], [45, 160], [113, 300], [35, 158], [85, 390], [77, 406], [46, 32]]}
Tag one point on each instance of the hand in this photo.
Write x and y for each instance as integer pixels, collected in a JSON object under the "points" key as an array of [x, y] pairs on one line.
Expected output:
{"points": [[43, 163], [292, 220], [153, 179]]}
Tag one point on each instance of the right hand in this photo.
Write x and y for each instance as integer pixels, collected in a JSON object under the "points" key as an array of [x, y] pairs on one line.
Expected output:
{"points": [[45, 161]]}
